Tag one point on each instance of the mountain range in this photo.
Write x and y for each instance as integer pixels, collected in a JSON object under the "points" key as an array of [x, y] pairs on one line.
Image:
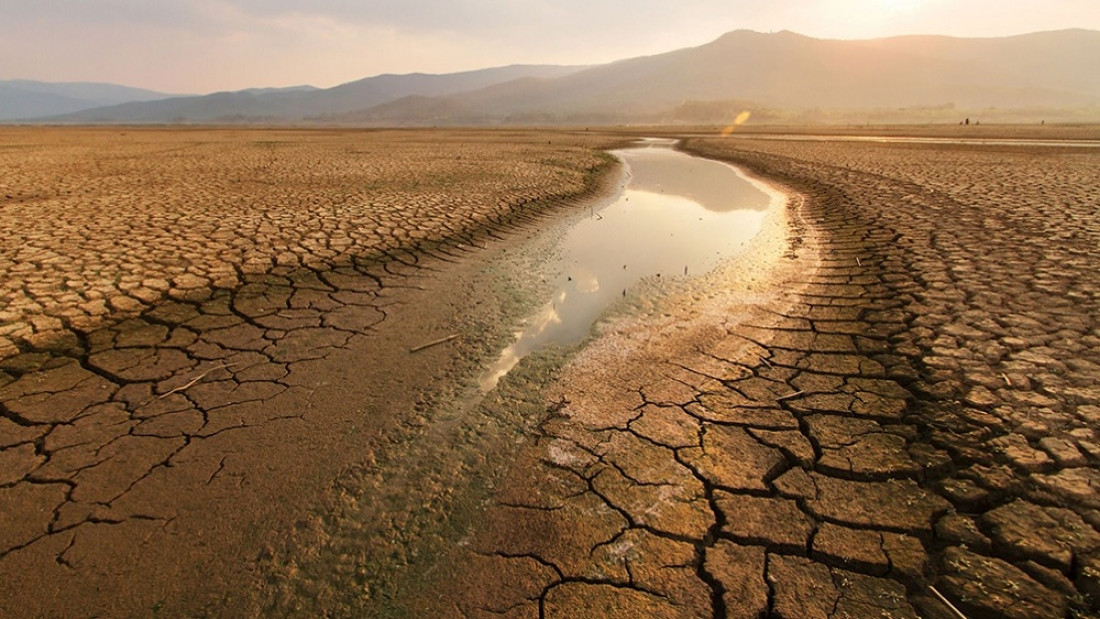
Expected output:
{"points": [[779, 76], [30, 99]]}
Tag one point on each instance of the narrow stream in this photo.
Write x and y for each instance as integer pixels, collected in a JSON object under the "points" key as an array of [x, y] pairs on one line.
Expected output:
{"points": [[676, 216]]}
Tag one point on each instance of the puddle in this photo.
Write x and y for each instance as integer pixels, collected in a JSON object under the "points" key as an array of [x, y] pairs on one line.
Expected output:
{"points": [[676, 216]]}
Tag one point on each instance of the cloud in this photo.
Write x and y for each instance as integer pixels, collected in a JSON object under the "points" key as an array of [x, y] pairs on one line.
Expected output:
{"points": [[205, 45], [96, 13]]}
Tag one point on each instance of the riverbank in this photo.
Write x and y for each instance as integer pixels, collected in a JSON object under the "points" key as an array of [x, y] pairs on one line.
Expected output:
{"points": [[904, 423], [974, 274], [895, 403], [415, 555], [590, 516]]}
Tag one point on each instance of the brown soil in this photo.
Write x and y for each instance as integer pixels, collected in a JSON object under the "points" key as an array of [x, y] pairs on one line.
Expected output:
{"points": [[201, 331], [901, 408], [890, 398]]}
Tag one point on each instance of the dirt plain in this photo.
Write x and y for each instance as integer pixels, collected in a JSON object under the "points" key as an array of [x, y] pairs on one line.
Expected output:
{"points": [[890, 398], [898, 419], [178, 306]]}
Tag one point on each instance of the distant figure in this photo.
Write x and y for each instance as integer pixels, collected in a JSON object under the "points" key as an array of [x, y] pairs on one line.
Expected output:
{"points": [[967, 121]]}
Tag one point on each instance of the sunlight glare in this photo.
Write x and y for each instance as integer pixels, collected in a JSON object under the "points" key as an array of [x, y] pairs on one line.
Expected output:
{"points": [[741, 119]]}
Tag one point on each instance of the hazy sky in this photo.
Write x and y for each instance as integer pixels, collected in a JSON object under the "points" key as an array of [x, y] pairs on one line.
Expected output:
{"points": [[200, 46]]}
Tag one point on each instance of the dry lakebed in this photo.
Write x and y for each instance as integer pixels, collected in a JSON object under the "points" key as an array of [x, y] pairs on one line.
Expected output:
{"points": [[550, 373]]}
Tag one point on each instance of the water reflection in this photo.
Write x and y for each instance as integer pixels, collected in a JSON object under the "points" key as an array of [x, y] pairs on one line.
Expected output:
{"points": [[678, 215], [708, 183]]}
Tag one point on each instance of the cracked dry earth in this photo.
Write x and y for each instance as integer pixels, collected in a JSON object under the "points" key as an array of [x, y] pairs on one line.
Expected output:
{"points": [[200, 329], [908, 409]]}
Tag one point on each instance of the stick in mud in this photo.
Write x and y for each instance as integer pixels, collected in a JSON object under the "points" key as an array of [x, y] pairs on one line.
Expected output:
{"points": [[195, 380], [958, 613], [790, 396], [441, 340]]}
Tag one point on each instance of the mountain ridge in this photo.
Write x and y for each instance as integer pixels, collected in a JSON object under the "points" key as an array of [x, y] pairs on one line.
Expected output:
{"points": [[295, 104], [782, 74], [787, 70], [22, 98]]}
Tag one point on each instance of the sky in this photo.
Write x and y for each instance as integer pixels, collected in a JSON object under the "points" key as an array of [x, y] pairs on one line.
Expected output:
{"points": [[202, 46]]}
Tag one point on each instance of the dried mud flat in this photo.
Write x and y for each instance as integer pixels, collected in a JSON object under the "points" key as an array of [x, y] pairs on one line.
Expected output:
{"points": [[897, 419], [890, 398], [200, 329]]}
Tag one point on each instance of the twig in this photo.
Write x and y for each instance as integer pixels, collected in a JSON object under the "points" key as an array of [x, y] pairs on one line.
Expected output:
{"points": [[195, 380], [1007, 381], [945, 601], [441, 340], [789, 396], [858, 262], [556, 407]]}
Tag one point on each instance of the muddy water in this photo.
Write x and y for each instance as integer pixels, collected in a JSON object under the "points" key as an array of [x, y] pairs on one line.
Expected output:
{"points": [[676, 216]]}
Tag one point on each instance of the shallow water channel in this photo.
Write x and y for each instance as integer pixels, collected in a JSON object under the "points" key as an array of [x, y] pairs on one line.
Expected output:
{"points": [[677, 215]]}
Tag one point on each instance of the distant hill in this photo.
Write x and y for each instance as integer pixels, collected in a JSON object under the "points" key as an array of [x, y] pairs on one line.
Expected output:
{"points": [[789, 71], [780, 76], [20, 99], [296, 104]]}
